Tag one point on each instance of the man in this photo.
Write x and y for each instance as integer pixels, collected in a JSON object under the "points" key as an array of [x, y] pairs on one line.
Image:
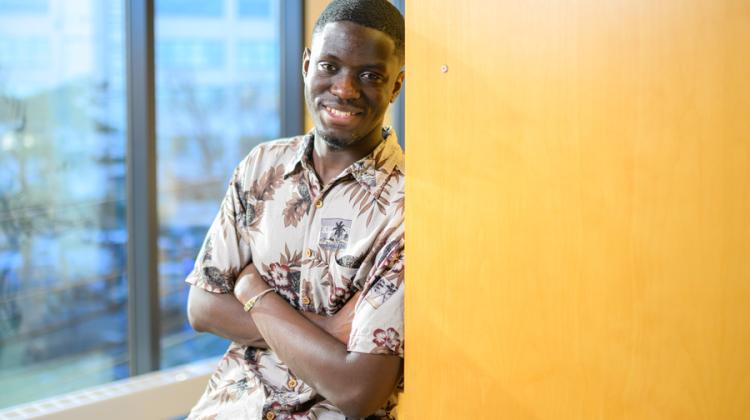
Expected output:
{"points": [[303, 266]]}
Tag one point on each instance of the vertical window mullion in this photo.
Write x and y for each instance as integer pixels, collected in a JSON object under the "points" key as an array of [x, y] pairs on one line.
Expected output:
{"points": [[399, 106], [291, 40], [143, 286]]}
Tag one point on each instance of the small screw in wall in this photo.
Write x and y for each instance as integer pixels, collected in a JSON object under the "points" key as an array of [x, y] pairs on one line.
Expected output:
{"points": [[444, 68]]}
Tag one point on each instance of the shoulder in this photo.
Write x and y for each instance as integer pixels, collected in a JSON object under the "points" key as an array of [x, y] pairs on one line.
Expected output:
{"points": [[271, 154], [280, 146]]}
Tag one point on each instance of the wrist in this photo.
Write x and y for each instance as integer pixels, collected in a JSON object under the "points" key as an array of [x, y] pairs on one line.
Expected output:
{"points": [[250, 304], [249, 286]]}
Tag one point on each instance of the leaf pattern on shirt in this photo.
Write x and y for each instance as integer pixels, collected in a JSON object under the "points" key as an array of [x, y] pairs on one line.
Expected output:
{"points": [[391, 259], [376, 249], [234, 390], [337, 295], [267, 217], [229, 388], [364, 194], [338, 292], [299, 204], [262, 190], [400, 202], [388, 274], [284, 275], [208, 250], [219, 281]]}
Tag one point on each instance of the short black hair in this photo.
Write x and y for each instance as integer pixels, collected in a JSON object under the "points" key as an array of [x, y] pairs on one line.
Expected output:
{"points": [[380, 15]]}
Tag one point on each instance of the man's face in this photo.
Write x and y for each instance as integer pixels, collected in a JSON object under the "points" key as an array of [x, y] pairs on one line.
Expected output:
{"points": [[351, 75]]}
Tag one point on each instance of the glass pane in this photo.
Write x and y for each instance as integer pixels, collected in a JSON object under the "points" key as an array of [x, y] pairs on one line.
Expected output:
{"points": [[217, 97], [63, 289], [258, 9]]}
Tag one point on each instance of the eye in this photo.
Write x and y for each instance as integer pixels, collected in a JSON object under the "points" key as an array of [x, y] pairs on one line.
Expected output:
{"points": [[327, 67], [371, 77]]}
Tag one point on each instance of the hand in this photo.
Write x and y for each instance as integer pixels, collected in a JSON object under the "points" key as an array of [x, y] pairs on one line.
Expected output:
{"points": [[249, 283], [338, 325]]}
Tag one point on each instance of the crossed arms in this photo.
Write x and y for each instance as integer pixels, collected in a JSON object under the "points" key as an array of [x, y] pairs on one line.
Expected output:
{"points": [[312, 346]]}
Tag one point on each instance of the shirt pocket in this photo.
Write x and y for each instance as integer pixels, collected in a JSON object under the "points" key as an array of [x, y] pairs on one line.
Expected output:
{"points": [[343, 282]]}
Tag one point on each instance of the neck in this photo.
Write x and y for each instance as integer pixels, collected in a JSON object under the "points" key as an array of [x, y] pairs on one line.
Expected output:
{"points": [[329, 161]]}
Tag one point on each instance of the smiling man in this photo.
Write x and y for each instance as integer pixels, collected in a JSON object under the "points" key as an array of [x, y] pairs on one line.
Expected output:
{"points": [[303, 266]]}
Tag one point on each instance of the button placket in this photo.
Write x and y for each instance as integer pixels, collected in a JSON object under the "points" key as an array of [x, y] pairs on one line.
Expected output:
{"points": [[311, 239], [320, 197]]}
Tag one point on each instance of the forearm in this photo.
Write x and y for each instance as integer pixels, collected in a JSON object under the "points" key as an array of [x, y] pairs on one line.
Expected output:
{"points": [[356, 383], [222, 315]]}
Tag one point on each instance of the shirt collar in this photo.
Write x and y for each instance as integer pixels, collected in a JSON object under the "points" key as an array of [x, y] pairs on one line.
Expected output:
{"points": [[372, 171], [301, 155]]}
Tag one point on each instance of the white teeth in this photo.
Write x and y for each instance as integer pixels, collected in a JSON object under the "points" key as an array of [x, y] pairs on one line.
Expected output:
{"points": [[339, 113]]}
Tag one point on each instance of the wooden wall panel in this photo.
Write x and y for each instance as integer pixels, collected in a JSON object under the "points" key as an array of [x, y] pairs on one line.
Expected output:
{"points": [[578, 213]]}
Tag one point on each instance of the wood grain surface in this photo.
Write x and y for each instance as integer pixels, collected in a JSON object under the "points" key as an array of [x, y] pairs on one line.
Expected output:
{"points": [[578, 210]]}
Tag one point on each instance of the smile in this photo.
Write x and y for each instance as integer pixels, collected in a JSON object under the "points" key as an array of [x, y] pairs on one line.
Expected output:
{"points": [[337, 117], [340, 113]]}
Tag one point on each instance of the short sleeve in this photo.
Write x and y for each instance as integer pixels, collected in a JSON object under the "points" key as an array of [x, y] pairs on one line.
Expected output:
{"points": [[378, 324], [224, 252]]}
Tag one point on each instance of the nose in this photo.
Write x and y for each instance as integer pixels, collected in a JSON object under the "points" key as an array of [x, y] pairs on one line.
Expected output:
{"points": [[345, 86]]}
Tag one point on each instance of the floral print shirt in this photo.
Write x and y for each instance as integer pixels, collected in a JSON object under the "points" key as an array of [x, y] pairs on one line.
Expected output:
{"points": [[316, 246]]}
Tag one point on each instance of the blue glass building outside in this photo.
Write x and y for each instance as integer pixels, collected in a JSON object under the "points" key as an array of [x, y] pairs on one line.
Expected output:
{"points": [[217, 96], [63, 289]]}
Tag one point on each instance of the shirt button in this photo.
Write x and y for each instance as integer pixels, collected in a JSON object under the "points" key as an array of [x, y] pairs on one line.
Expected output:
{"points": [[305, 300], [292, 383], [270, 415], [308, 253], [319, 203]]}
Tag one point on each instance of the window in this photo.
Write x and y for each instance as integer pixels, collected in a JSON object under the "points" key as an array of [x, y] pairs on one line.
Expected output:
{"points": [[27, 53], [186, 54], [258, 56], [217, 95], [254, 8], [22, 7], [64, 291], [63, 287], [190, 8]]}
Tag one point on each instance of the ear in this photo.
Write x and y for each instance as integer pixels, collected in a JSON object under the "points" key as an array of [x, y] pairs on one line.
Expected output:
{"points": [[305, 62], [397, 86]]}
